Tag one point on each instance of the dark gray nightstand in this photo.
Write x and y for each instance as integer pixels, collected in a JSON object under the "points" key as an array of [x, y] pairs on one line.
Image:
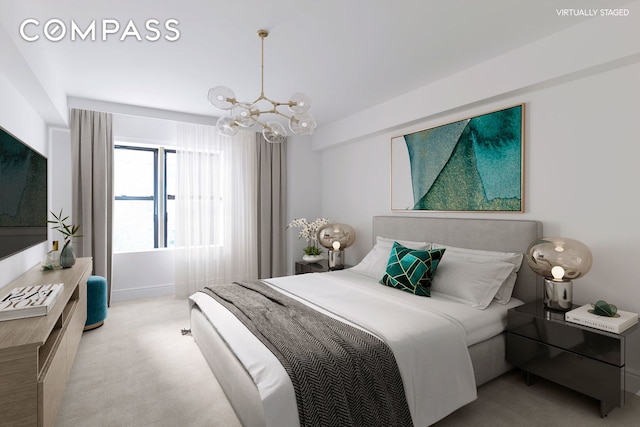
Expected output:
{"points": [[303, 267], [597, 363]]}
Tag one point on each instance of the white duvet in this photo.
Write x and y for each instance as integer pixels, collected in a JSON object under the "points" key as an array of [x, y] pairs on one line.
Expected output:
{"points": [[425, 335]]}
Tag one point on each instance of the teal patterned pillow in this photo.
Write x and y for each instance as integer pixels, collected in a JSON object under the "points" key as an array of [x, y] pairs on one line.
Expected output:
{"points": [[411, 270]]}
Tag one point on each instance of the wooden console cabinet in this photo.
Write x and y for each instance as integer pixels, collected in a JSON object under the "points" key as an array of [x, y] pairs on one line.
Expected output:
{"points": [[37, 353]]}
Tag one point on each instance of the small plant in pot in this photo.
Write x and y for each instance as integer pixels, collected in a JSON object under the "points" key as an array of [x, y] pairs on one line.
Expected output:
{"points": [[309, 232], [312, 251], [70, 232]]}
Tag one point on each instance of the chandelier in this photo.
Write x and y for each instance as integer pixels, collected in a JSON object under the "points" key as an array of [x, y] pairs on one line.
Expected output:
{"points": [[248, 114]]}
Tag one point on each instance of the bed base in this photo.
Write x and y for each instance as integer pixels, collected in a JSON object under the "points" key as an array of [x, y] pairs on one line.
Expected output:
{"points": [[488, 357], [234, 380]]}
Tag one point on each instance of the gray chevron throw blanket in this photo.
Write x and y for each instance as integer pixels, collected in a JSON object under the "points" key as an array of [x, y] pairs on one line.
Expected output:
{"points": [[342, 376]]}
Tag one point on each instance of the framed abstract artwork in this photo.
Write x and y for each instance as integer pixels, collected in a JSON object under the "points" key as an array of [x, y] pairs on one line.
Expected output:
{"points": [[472, 165]]}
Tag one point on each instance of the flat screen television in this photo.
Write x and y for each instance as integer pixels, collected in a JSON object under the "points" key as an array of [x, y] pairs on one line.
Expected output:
{"points": [[23, 196]]}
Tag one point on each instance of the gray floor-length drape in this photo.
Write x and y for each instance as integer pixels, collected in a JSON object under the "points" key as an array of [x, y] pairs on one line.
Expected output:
{"points": [[92, 194], [272, 177]]}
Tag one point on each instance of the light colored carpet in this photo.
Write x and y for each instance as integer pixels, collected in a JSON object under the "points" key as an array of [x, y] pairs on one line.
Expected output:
{"points": [[138, 370], [508, 402]]}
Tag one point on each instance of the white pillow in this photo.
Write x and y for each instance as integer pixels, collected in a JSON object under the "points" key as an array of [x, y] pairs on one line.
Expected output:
{"points": [[472, 283], [374, 264], [503, 295]]}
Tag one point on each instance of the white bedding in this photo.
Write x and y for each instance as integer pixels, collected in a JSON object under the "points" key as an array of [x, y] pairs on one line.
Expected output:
{"points": [[438, 378]]}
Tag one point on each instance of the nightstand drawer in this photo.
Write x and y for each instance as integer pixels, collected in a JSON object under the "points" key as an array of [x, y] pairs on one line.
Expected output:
{"points": [[303, 267], [583, 374], [582, 340]]}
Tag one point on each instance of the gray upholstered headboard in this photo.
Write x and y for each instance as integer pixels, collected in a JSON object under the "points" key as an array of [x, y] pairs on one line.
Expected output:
{"points": [[487, 234]]}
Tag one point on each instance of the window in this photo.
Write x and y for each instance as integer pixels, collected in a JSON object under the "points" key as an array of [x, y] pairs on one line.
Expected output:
{"points": [[170, 179], [144, 189]]}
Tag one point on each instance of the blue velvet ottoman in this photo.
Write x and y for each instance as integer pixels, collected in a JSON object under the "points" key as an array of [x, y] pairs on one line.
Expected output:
{"points": [[96, 302]]}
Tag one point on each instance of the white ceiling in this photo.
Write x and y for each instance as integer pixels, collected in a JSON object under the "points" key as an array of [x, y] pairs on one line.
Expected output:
{"points": [[347, 55]]}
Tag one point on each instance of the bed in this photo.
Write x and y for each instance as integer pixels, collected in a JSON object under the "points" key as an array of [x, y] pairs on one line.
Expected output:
{"points": [[258, 387]]}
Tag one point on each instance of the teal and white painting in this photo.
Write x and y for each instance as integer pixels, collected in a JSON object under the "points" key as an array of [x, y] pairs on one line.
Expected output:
{"points": [[475, 164]]}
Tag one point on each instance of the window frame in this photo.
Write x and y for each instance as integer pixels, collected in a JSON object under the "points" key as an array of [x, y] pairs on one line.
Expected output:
{"points": [[160, 192], [165, 195]]}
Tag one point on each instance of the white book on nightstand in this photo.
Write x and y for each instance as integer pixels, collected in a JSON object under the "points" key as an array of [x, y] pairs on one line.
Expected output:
{"points": [[616, 325]]}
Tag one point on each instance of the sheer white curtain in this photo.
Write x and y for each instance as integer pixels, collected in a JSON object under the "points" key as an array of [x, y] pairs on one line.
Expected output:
{"points": [[216, 212]]}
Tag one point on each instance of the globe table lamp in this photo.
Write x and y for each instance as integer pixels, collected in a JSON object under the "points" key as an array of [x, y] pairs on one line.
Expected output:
{"points": [[336, 238], [559, 260]]}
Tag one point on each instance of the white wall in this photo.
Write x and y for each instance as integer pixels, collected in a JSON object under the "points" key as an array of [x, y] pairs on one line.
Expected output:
{"points": [[593, 46], [21, 120], [60, 174], [587, 130], [304, 184], [581, 170], [143, 274]]}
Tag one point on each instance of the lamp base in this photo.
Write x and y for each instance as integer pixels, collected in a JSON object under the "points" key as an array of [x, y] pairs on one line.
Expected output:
{"points": [[558, 295], [336, 260]]}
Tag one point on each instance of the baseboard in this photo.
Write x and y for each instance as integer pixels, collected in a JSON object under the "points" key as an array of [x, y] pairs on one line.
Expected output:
{"points": [[145, 292]]}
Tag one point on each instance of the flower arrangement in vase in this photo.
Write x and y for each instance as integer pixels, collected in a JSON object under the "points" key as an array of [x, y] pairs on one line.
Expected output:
{"points": [[309, 232], [70, 232]]}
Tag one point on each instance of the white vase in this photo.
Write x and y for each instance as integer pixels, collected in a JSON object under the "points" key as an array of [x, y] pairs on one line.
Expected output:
{"points": [[312, 258]]}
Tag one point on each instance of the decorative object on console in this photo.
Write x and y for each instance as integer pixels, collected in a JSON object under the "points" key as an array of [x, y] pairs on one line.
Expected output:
{"points": [[247, 114], [559, 260], [67, 257], [309, 232], [29, 301], [336, 238], [70, 232], [475, 164], [52, 258]]}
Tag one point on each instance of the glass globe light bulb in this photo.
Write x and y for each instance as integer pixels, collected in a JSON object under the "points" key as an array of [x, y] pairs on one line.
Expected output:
{"points": [[222, 97], [245, 114], [336, 245], [299, 103], [227, 126], [302, 124], [558, 273], [274, 132]]}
